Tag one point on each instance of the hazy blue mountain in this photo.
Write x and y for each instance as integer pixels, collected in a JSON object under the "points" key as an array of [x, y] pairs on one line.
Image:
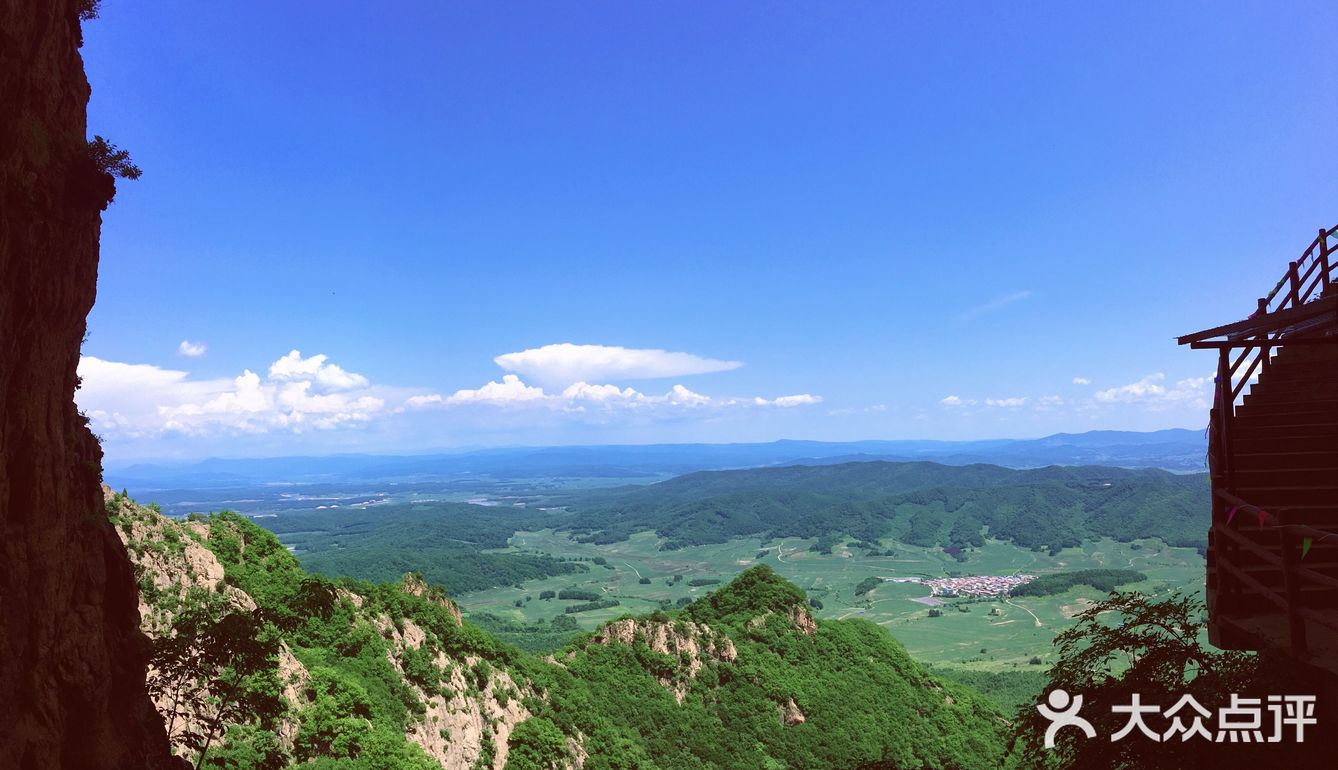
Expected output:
{"points": [[1175, 450]]}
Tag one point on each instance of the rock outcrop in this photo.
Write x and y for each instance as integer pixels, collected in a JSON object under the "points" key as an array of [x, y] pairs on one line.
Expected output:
{"points": [[72, 658], [690, 645]]}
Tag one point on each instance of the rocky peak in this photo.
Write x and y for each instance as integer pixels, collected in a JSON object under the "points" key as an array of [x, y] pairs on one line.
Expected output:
{"points": [[691, 645], [414, 585], [72, 658]]}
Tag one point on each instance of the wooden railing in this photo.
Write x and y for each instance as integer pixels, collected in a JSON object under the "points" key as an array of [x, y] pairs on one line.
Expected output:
{"points": [[1299, 304], [1301, 310], [1291, 537]]}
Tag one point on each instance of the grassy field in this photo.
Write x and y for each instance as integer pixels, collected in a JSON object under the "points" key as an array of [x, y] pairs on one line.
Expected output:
{"points": [[992, 635]]}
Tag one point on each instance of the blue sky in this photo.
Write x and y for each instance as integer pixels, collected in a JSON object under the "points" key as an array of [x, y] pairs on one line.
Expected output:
{"points": [[857, 220]]}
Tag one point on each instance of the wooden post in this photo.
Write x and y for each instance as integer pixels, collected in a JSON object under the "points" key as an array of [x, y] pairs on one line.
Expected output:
{"points": [[1263, 311], [1324, 259], [1295, 280], [1225, 408], [1295, 623]]}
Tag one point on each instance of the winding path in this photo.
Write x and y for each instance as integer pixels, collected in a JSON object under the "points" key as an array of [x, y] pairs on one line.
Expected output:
{"points": [[1039, 624]]}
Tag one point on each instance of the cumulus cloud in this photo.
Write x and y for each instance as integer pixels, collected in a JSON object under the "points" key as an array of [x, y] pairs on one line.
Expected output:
{"points": [[1081, 381], [140, 400], [564, 364], [1152, 391], [951, 401], [509, 391], [322, 376], [513, 392], [191, 349], [1007, 403], [801, 399]]}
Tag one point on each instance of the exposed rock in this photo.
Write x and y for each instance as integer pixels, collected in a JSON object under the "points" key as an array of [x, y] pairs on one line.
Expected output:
{"points": [[414, 585], [296, 680], [692, 644], [479, 703], [803, 621], [790, 714], [72, 658], [797, 616]]}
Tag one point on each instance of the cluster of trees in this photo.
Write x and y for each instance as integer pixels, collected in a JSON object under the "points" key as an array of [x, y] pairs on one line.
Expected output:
{"points": [[867, 584], [602, 604], [1105, 580], [450, 543]]}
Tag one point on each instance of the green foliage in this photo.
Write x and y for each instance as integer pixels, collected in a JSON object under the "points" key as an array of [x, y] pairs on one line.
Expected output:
{"points": [[448, 542], [541, 637], [217, 667], [867, 584], [602, 604], [584, 596], [1154, 649], [1106, 580], [756, 591], [547, 594], [919, 503], [108, 157], [864, 700], [536, 744], [247, 747], [698, 582], [1009, 690]]}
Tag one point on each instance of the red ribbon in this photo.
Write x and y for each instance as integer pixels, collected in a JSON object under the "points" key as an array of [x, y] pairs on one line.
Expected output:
{"points": [[1231, 514]]}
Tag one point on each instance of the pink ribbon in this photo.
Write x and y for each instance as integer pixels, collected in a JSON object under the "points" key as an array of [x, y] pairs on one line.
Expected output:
{"points": [[1231, 514]]}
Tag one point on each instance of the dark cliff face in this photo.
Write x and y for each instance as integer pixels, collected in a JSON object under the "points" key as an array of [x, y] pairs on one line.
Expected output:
{"points": [[71, 656]]}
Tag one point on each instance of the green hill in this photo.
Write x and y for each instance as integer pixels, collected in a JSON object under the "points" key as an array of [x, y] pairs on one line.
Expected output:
{"points": [[920, 503], [351, 675]]}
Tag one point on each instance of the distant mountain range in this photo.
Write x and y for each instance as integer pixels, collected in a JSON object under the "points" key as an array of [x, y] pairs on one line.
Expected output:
{"points": [[1175, 450]]}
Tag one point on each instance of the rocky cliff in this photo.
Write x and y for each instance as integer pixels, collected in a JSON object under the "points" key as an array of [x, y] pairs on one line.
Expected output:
{"points": [[72, 691]]}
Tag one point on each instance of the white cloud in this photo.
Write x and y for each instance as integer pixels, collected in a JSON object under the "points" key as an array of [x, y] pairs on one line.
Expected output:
{"points": [[191, 349], [801, 399], [1007, 403], [509, 391], [951, 401], [994, 305], [581, 396], [324, 377], [1151, 391], [140, 400], [1081, 381], [1146, 388], [564, 364]]}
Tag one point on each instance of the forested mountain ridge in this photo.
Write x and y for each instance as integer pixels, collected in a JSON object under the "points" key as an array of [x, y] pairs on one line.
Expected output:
{"points": [[259, 664], [920, 503]]}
